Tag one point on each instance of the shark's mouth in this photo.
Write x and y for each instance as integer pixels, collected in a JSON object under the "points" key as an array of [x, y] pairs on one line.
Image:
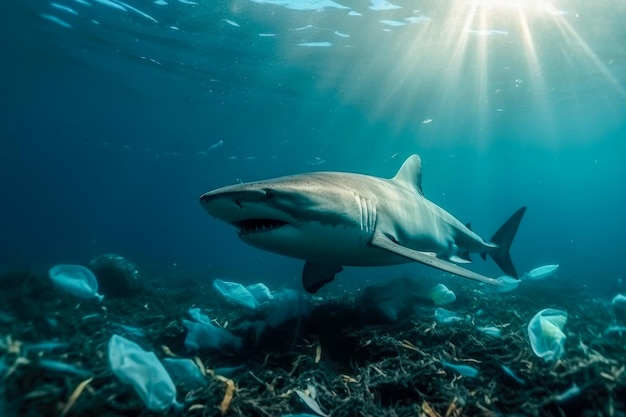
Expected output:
{"points": [[258, 225]]}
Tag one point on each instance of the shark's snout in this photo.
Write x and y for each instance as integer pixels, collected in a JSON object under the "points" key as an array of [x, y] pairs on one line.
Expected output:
{"points": [[249, 210]]}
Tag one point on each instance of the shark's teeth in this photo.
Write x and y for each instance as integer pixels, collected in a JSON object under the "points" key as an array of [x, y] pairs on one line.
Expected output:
{"points": [[258, 225]]}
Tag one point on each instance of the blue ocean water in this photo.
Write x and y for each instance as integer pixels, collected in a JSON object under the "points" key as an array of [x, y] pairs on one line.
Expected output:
{"points": [[116, 116]]}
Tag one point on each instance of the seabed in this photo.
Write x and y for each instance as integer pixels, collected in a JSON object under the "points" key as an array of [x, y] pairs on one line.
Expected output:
{"points": [[355, 359]]}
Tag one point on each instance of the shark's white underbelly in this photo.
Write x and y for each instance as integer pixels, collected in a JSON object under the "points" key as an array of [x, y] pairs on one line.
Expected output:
{"points": [[328, 245]]}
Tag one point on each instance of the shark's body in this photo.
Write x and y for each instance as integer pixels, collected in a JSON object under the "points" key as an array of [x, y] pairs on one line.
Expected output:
{"points": [[335, 219]]}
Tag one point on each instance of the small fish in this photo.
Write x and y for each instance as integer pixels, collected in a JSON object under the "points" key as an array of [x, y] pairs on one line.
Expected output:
{"points": [[139, 12], [230, 22], [64, 8], [316, 44], [111, 5], [56, 20]]}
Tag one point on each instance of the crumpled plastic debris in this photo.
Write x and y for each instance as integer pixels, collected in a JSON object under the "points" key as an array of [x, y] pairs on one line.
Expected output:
{"points": [[545, 332], [143, 370], [185, 372], [202, 334], [442, 295], [251, 297], [443, 316]]}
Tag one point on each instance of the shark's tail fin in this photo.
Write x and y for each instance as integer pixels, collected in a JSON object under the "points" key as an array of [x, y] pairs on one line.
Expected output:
{"points": [[503, 239]]}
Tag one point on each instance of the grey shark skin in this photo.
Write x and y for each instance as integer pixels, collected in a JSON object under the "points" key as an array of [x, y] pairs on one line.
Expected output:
{"points": [[335, 219]]}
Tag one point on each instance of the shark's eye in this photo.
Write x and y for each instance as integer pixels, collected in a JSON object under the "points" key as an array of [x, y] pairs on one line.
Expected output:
{"points": [[269, 194]]}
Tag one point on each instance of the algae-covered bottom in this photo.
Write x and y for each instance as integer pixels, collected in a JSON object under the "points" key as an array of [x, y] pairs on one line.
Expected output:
{"points": [[349, 352]]}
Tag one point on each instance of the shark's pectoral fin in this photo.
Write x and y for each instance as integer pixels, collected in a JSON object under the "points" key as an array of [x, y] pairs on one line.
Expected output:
{"points": [[316, 275], [460, 260], [383, 242]]}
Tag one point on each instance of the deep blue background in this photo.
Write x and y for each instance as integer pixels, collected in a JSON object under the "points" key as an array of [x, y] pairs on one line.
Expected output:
{"points": [[101, 148]]}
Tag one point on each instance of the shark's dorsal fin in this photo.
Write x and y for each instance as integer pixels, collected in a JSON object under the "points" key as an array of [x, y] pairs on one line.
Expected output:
{"points": [[410, 173]]}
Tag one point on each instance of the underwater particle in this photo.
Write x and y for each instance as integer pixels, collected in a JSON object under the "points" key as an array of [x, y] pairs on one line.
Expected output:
{"points": [[427, 121]]}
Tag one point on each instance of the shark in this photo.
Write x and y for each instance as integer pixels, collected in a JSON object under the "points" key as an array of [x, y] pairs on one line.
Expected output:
{"points": [[336, 219]]}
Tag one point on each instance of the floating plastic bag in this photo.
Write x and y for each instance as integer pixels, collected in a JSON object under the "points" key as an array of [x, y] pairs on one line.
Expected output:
{"points": [[133, 365], [287, 305], [441, 295], [251, 297], [443, 316], [209, 336], [185, 371], [545, 331], [76, 280], [260, 292], [542, 272], [508, 284], [490, 331]]}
